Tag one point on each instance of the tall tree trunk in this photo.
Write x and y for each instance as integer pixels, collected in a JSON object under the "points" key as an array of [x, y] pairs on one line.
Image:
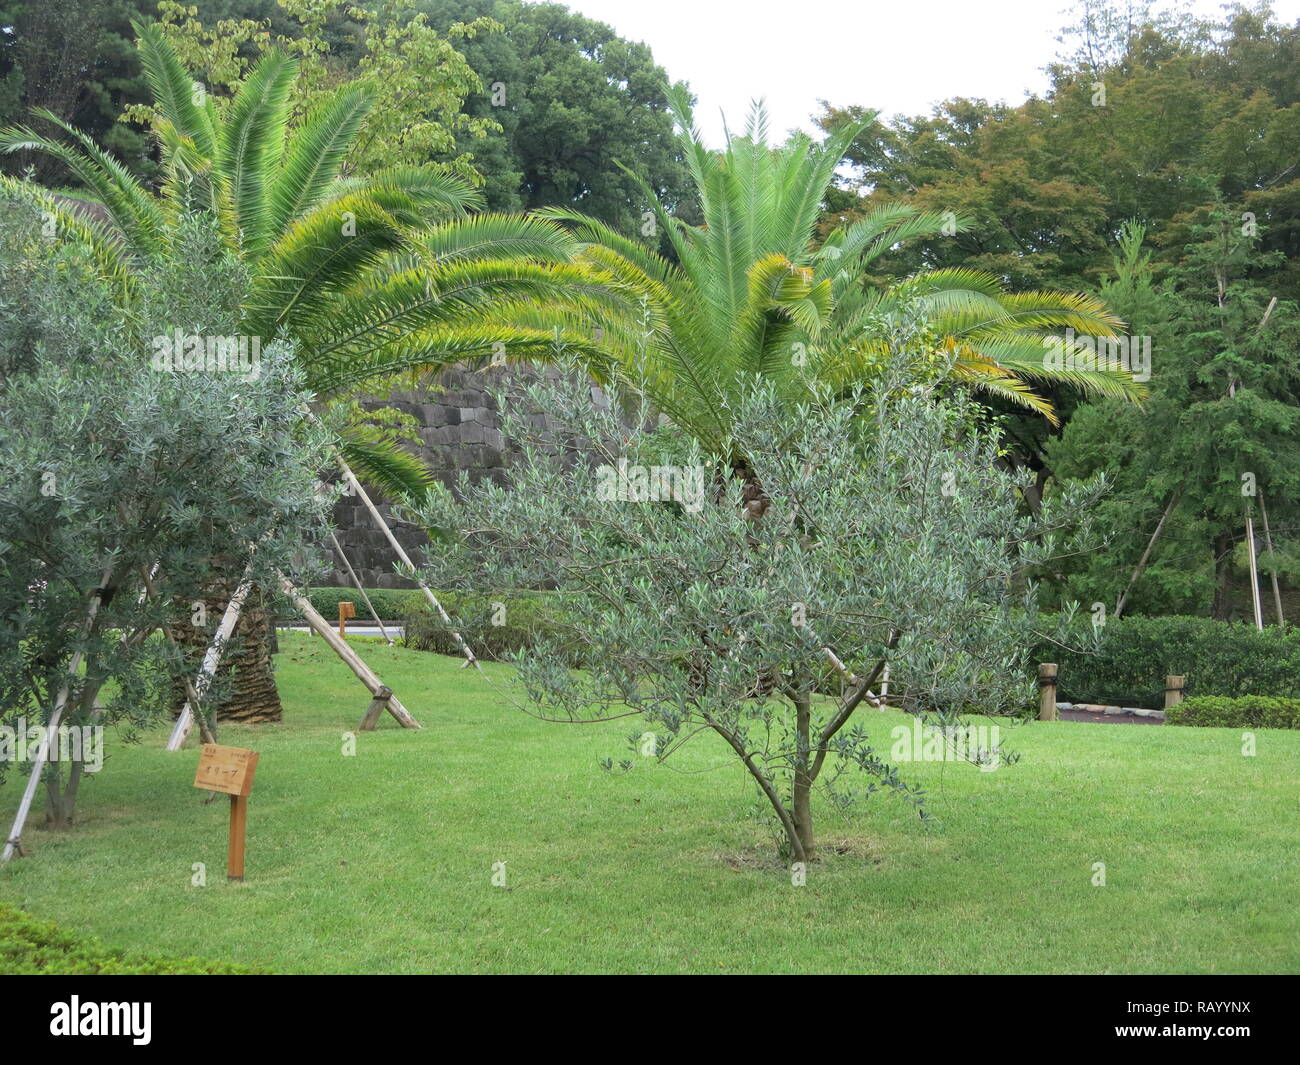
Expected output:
{"points": [[244, 673], [802, 792], [1223, 544]]}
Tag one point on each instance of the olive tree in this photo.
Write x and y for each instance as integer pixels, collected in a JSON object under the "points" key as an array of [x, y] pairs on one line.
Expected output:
{"points": [[130, 481], [884, 532]]}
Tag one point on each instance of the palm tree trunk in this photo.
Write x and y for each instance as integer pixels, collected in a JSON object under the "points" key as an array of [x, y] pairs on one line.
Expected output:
{"points": [[244, 676]]}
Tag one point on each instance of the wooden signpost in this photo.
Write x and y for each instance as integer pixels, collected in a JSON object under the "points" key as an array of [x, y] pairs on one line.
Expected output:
{"points": [[346, 611], [229, 770]]}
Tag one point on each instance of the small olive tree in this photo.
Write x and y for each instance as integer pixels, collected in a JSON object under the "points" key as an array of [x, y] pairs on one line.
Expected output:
{"points": [[883, 531], [128, 484]]}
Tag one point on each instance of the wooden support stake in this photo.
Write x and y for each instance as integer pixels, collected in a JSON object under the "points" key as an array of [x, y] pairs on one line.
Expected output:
{"points": [[207, 730], [1268, 546], [212, 659], [238, 831], [350, 658], [1255, 602], [1047, 691], [1174, 686], [357, 582], [377, 705], [14, 842], [1146, 554], [355, 485]]}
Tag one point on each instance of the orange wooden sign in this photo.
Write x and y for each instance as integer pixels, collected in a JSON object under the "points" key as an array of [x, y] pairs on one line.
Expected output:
{"points": [[230, 770], [226, 769]]}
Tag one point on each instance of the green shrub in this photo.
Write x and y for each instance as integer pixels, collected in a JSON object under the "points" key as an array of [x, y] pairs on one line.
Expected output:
{"points": [[389, 603], [1251, 711], [29, 946], [1217, 658], [527, 618]]}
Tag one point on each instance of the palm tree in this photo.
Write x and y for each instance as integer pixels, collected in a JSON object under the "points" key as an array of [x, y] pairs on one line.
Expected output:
{"points": [[367, 276], [751, 293]]}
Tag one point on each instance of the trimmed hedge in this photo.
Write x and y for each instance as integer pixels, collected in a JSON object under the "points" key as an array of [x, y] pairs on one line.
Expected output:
{"points": [[528, 618], [1217, 658], [388, 602], [1252, 711], [29, 946]]}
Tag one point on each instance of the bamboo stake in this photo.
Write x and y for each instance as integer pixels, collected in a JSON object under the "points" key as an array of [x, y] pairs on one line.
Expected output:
{"points": [[206, 730], [181, 730], [1268, 545], [13, 843], [470, 660], [1254, 572], [350, 658], [1250, 522], [357, 582], [1142, 562]]}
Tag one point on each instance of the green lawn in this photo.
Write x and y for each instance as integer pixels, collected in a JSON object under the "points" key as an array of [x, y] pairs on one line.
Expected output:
{"points": [[382, 862]]}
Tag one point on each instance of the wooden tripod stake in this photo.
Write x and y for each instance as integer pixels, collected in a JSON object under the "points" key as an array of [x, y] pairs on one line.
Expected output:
{"points": [[229, 770]]}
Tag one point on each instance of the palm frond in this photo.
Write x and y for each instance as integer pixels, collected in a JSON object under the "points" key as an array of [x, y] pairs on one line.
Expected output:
{"points": [[498, 236], [315, 154], [251, 145], [383, 464], [319, 257], [133, 211], [172, 88]]}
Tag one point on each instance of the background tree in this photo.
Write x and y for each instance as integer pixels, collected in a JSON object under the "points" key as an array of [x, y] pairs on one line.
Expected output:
{"points": [[1220, 435], [1152, 115], [1149, 115], [574, 101], [77, 59], [414, 75]]}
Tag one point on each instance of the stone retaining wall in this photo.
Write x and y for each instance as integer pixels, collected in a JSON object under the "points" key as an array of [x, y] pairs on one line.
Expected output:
{"points": [[460, 430]]}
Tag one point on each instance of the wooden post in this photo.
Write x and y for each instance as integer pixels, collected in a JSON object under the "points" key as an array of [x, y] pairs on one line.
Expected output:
{"points": [[376, 707], [1047, 691], [346, 610], [238, 830], [230, 771], [1174, 690]]}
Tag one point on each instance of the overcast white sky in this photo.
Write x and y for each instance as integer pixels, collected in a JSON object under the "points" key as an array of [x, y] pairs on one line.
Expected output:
{"points": [[900, 56]]}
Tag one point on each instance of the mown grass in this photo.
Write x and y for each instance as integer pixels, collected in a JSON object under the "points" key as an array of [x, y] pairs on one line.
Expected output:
{"points": [[383, 861]]}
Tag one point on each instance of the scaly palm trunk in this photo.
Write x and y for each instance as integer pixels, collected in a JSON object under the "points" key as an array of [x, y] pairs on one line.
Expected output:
{"points": [[244, 676]]}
